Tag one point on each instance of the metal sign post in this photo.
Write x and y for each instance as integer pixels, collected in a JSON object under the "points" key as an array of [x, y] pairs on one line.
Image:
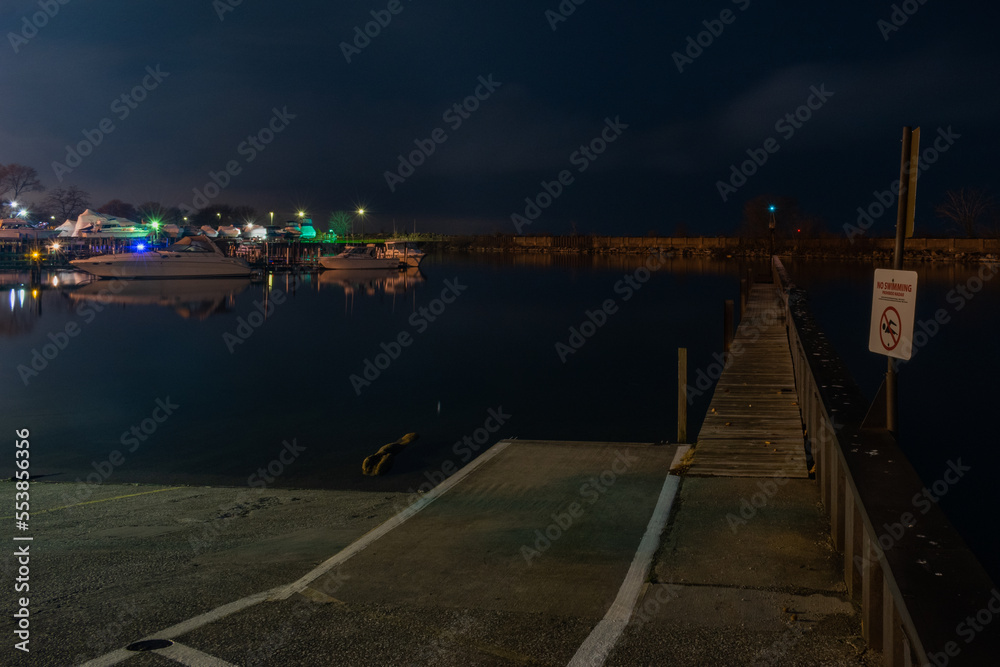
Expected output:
{"points": [[908, 172]]}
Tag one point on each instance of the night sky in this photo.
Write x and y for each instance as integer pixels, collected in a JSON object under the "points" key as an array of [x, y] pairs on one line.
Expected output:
{"points": [[213, 74]]}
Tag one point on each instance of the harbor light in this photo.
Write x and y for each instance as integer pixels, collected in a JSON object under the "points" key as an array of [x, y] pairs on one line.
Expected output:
{"points": [[141, 247], [55, 246]]}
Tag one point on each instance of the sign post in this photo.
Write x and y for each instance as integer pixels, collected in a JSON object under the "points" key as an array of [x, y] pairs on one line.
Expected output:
{"points": [[884, 338]]}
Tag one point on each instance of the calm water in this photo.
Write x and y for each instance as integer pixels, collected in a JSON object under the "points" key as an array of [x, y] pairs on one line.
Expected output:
{"points": [[481, 333]]}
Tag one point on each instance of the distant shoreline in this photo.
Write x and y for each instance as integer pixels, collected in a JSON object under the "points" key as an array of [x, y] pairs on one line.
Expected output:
{"points": [[917, 249]]}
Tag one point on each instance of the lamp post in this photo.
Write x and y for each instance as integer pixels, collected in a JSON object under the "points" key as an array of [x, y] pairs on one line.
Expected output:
{"points": [[361, 214], [770, 228]]}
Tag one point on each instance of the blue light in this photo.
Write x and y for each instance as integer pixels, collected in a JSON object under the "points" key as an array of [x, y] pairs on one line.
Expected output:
{"points": [[140, 247], [771, 208]]}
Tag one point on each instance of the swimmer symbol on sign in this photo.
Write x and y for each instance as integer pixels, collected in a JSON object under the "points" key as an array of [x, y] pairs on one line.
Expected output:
{"points": [[889, 328]]}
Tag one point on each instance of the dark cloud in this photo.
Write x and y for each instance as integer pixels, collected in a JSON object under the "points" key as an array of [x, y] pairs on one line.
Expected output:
{"points": [[353, 120]]}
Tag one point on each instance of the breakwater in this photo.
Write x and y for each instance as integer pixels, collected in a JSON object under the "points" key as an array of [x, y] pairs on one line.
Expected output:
{"points": [[929, 249]]}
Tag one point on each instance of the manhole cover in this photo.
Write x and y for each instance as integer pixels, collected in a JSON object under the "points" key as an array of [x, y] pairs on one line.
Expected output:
{"points": [[149, 645]]}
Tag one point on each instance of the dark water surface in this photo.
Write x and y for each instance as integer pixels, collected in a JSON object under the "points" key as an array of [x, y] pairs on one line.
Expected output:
{"points": [[483, 350]]}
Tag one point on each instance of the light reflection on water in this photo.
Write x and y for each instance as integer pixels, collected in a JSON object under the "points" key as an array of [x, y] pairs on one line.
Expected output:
{"points": [[287, 373]]}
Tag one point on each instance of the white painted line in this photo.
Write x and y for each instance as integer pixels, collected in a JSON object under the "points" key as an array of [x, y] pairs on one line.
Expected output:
{"points": [[187, 626], [121, 655], [191, 657], [365, 541], [679, 455], [283, 592], [602, 639]]}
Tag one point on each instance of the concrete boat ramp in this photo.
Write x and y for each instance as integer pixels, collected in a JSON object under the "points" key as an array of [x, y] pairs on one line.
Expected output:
{"points": [[534, 553]]}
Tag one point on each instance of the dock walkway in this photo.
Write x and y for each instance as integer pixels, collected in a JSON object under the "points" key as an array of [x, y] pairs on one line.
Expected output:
{"points": [[753, 427]]}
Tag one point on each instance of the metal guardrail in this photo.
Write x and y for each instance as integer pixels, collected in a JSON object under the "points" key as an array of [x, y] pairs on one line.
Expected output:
{"points": [[922, 592]]}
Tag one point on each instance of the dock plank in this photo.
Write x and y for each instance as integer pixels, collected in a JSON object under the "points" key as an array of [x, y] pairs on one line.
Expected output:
{"points": [[754, 426]]}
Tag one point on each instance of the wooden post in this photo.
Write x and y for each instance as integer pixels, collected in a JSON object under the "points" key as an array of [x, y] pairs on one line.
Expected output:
{"points": [[682, 404], [744, 297], [728, 326]]}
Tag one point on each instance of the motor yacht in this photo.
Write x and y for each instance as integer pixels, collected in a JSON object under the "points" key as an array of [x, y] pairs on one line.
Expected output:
{"points": [[190, 257]]}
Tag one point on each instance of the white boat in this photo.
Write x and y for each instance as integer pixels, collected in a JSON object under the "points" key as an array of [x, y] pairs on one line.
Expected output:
{"points": [[16, 229], [407, 252], [361, 257], [229, 232], [209, 231], [191, 257], [99, 225], [252, 231]]}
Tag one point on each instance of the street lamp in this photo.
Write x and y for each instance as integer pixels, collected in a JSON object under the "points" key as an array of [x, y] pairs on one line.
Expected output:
{"points": [[770, 227], [272, 217], [361, 214]]}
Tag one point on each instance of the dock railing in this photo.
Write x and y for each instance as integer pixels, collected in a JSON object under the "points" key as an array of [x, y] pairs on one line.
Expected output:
{"points": [[922, 592]]}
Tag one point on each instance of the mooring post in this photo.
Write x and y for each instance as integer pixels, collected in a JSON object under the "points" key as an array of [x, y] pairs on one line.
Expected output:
{"points": [[744, 296], [682, 404], [727, 324]]}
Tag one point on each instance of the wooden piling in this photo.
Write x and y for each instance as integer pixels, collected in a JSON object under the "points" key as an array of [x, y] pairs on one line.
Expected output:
{"points": [[744, 290], [682, 403], [727, 324]]}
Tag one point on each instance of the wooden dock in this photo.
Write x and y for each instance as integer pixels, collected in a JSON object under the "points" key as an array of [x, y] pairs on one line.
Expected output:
{"points": [[753, 427]]}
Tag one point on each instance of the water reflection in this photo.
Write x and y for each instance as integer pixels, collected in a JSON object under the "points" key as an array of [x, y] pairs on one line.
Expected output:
{"points": [[371, 282], [192, 298]]}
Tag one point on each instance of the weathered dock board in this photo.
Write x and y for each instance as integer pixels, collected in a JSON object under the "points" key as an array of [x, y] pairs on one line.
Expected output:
{"points": [[753, 427]]}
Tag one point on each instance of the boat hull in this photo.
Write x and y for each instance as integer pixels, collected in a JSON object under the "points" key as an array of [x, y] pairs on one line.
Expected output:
{"points": [[359, 262], [165, 265]]}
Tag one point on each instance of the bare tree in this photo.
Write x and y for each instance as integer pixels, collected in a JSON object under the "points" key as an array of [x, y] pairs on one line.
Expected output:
{"points": [[965, 209], [119, 209], [340, 223], [151, 211], [244, 214], [67, 202], [18, 179], [4, 186]]}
